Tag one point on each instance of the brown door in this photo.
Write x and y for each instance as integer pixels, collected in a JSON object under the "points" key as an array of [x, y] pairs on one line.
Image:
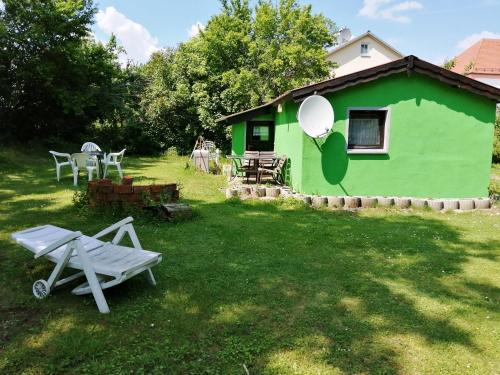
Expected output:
{"points": [[260, 136]]}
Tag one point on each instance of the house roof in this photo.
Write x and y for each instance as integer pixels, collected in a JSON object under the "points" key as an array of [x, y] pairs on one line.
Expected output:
{"points": [[409, 64], [255, 111], [482, 57], [356, 39]]}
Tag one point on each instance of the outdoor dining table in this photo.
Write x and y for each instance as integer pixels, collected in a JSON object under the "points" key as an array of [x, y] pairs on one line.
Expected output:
{"points": [[255, 159]]}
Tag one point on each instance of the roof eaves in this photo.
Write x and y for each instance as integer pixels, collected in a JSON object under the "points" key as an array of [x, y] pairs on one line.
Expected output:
{"points": [[457, 80], [363, 76], [409, 64], [255, 111]]}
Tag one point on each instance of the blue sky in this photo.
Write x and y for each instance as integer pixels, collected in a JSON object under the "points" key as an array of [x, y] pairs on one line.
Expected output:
{"points": [[430, 29]]}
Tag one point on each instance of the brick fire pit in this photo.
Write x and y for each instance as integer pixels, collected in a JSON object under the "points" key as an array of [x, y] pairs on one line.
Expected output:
{"points": [[105, 192]]}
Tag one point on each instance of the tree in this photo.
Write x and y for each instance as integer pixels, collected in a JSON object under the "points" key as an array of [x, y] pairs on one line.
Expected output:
{"points": [[244, 58], [57, 81], [450, 64], [54, 78], [168, 110]]}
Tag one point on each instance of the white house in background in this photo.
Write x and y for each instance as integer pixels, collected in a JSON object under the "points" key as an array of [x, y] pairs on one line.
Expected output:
{"points": [[362, 52]]}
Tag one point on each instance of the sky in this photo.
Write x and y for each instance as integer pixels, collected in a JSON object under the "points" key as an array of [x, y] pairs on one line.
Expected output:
{"points": [[433, 30]]}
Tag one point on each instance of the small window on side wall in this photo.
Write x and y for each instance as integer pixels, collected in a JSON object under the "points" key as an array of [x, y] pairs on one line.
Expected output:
{"points": [[364, 49], [367, 131], [261, 133]]}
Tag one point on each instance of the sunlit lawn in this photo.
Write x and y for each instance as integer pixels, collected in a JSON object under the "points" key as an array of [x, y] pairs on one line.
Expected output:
{"points": [[275, 287]]}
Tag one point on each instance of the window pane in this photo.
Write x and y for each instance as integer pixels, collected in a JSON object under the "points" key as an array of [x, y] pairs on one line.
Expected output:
{"points": [[366, 129], [364, 132], [261, 133]]}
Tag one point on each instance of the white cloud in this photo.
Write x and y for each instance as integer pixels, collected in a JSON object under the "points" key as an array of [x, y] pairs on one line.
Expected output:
{"points": [[370, 7], [2, 5], [386, 9], [134, 37], [473, 38], [195, 29]]}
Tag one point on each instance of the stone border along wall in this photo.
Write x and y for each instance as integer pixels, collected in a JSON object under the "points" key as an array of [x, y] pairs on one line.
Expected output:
{"points": [[105, 192], [359, 202]]}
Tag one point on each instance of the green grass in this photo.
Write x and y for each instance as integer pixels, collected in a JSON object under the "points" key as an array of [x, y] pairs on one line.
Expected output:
{"points": [[277, 287]]}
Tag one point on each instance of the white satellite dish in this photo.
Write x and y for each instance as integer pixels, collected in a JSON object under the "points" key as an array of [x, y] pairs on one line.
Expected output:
{"points": [[345, 35], [316, 116]]}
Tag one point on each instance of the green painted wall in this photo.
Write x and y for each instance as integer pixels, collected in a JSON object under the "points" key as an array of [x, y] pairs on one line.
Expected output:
{"points": [[440, 143], [289, 141], [238, 134], [238, 138]]}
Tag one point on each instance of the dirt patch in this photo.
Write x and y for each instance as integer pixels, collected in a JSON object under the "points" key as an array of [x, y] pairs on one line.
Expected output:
{"points": [[15, 321]]}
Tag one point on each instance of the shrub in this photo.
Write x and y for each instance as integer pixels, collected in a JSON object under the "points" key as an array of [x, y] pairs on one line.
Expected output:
{"points": [[494, 190], [131, 135], [496, 142], [81, 200]]}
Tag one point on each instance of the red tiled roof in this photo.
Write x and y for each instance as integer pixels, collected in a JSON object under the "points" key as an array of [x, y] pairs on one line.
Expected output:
{"points": [[481, 58]]}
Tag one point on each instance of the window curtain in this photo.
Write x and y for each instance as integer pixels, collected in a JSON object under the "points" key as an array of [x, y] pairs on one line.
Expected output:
{"points": [[364, 132]]}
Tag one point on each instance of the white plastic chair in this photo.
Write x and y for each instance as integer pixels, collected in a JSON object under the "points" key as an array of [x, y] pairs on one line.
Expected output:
{"points": [[114, 159], [209, 145], [84, 162], [104, 264], [89, 147], [213, 152], [58, 156]]}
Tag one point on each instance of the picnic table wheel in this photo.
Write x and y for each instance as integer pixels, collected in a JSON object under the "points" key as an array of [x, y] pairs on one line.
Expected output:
{"points": [[41, 289]]}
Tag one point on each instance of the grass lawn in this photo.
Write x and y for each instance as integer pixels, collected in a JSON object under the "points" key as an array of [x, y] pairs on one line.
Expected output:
{"points": [[276, 287]]}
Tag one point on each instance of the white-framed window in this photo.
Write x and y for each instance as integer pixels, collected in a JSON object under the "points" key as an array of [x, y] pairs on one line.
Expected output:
{"points": [[367, 130], [365, 50]]}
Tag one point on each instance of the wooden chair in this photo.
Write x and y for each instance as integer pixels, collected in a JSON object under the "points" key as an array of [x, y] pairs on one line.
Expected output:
{"points": [[276, 171], [249, 166], [267, 163], [104, 264]]}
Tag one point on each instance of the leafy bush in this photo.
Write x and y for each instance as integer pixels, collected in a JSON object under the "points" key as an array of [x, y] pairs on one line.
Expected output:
{"points": [[496, 142], [54, 79], [494, 190], [81, 200], [130, 135]]}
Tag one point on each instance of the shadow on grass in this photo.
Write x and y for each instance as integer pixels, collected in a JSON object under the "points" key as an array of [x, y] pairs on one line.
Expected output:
{"points": [[250, 283]]}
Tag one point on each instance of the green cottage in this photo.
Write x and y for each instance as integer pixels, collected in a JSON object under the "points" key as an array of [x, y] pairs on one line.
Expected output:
{"points": [[406, 128]]}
